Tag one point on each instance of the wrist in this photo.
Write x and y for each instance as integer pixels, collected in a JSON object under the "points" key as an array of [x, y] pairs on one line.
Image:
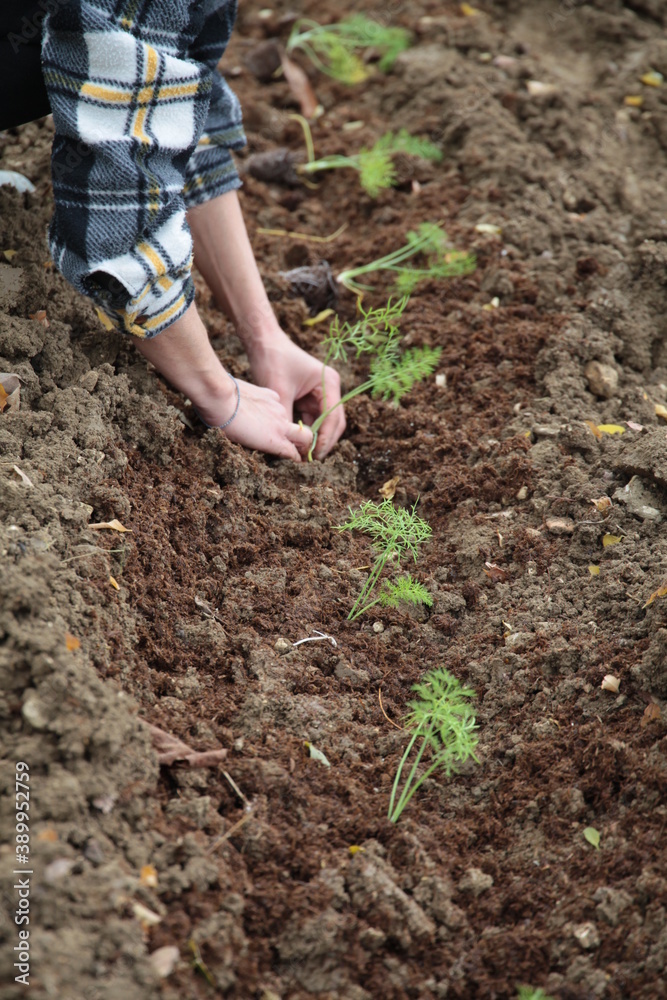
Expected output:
{"points": [[259, 330]]}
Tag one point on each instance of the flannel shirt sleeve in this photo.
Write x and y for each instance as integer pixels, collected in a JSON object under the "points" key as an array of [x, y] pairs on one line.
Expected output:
{"points": [[135, 95]]}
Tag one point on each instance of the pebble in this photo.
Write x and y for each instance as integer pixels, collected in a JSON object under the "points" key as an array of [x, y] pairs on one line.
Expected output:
{"points": [[282, 646], [587, 935], [602, 379], [378, 627], [474, 882], [545, 430], [560, 525], [89, 380]]}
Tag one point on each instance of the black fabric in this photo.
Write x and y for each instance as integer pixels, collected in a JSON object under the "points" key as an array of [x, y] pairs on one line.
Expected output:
{"points": [[23, 95]]}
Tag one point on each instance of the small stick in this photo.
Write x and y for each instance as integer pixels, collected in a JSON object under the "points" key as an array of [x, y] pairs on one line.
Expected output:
{"points": [[223, 838], [303, 236], [390, 721], [237, 789], [317, 638]]}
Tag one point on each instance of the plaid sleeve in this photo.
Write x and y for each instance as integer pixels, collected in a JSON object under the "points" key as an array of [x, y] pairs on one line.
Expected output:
{"points": [[210, 170], [130, 95]]}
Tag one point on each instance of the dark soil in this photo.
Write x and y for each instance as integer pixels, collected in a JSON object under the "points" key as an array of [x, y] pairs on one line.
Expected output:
{"points": [[487, 881]]}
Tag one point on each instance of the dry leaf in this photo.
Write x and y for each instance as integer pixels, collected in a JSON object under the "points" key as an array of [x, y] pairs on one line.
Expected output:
{"points": [[26, 479], [633, 100], [48, 836], [494, 572], [611, 429], [170, 750], [468, 11], [593, 428], [608, 540], [660, 592], [661, 411], [356, 849], [602, 504], [114, 583], [148, 876], [652, 79], [10, 388], [488, 228], [9, 254], [321, 316], [145, 916], [300, 86], [610, 683], [594, 570], [40, 317], [651, 714], [633, 426], [388, 490], [114, 525], [71, 642]]}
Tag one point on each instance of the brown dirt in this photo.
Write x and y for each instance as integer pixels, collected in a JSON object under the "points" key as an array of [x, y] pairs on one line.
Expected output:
{"points": [[487, 880]]}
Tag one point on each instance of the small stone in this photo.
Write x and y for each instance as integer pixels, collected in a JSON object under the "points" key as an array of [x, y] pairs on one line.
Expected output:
{"points": [[441, 381], [587, 935], [378, 627], [93, 852], [33, 711], [545, 430], [518, 641], [282, 646], [636, 496], [522, 493], [164, 960], [89, 380], [560, 525], [602, 379], [474, 882]]}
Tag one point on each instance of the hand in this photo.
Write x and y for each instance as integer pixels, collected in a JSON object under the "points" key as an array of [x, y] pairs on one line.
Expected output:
{"points": [[183, 354], [277, 363], [261, 422]]}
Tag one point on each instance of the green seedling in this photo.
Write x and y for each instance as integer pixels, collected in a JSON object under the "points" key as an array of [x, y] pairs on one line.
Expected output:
{"points": [[392, 373], [443, 722], [430, 240], [334, 48], [531, 993], [396, 532], [375, 166]]}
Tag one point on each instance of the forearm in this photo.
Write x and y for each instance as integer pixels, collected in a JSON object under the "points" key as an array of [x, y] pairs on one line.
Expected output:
{"points": [[183, 354], [224, 257]]}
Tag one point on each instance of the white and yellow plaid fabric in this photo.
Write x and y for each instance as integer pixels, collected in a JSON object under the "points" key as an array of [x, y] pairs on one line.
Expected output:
{"points": [[144, 128]]}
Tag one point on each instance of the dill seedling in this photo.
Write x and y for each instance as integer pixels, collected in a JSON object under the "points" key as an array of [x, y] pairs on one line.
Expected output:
{"points": [[392, 372], [429, 239], [375, 166], [396, 532], [334, 48], [443, 720], [531, 993]]}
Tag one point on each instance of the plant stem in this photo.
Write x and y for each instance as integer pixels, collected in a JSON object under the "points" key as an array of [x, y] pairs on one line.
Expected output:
{"points": [[373, 577], [397, 779], [315, 426], [327, 163], [405, 798]]}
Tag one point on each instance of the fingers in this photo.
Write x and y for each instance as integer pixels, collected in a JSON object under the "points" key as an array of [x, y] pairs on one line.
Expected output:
{"points": [[330, 432], [301, 436]]}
